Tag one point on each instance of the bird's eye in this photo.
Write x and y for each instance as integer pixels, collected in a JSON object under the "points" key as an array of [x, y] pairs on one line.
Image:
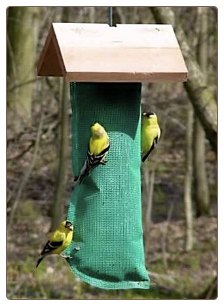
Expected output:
{"points": [[68, 224]]}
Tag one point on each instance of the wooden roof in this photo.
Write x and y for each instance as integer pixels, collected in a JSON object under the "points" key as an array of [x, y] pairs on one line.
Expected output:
{"points": [[86, 52]]}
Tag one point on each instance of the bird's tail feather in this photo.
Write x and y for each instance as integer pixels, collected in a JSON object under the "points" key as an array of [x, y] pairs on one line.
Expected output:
{"points": [[84, 172], [39, 261], [81, 177]]}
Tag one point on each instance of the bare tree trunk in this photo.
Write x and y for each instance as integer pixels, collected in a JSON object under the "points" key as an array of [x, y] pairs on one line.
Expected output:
{"points": [[22, 35], [92, 14], [121, 15], [200, 175], [27, 173], [165, 227], [148, 179], [57, 209], [188, 182], [200, 94]]}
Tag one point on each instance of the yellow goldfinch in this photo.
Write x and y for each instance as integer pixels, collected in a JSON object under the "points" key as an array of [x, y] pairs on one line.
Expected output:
{"points": [[150, 133], [97, 151], [59, 240]]}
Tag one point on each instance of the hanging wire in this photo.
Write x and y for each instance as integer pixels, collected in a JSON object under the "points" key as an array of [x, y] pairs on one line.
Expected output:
{"points": [[110, 16]]}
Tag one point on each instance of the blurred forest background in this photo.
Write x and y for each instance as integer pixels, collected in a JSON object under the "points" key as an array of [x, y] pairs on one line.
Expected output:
{"points": [[179, 181]]}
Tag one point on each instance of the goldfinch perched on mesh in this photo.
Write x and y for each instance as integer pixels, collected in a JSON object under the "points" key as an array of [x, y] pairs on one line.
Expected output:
{"points": [[59, 240], [150, 133], [98, 148]]}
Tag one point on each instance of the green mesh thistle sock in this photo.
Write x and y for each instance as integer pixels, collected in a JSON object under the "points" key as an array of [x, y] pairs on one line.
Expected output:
{"points": [[107, 250]]}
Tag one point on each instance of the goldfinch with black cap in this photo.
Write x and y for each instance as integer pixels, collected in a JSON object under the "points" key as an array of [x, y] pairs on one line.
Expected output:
{"points": [[150, 133], [59, 240]]}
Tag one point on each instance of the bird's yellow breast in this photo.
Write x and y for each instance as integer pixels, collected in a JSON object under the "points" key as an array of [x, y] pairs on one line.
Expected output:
{"points": [[97, 145], [149, 133], [66, 237]]}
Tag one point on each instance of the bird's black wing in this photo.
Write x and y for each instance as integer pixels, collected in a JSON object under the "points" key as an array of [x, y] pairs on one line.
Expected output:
{"points": [[50, 246], [150, 150], [95, 160], [92, 162]]}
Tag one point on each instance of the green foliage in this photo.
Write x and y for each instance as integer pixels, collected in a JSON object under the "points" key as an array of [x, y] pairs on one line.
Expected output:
{"points": [[27, 209]]}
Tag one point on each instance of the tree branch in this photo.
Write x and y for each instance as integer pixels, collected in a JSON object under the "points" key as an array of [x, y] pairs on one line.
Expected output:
{"points": [[26, 174], [201, 96]]}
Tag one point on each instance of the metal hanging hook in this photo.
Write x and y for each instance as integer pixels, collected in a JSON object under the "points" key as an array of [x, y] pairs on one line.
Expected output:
{"points": [[110, 16]]}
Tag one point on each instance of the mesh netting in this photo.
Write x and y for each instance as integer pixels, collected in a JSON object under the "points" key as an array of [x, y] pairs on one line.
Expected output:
{"points": [[106, 207]]}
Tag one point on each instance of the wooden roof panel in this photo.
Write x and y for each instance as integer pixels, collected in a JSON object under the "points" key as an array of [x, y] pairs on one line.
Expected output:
{"points": [[97, 52]]}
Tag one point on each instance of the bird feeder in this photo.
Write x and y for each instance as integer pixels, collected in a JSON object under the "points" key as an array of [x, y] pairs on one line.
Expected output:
{"points": [[105, 67]]}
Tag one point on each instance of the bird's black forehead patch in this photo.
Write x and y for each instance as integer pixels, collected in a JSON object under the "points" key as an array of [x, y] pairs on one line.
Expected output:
{"points": [[148, 114], [68, 223]]}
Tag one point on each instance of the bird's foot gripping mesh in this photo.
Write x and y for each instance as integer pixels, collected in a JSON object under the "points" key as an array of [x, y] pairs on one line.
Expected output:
{"points": [[106, 207]]}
